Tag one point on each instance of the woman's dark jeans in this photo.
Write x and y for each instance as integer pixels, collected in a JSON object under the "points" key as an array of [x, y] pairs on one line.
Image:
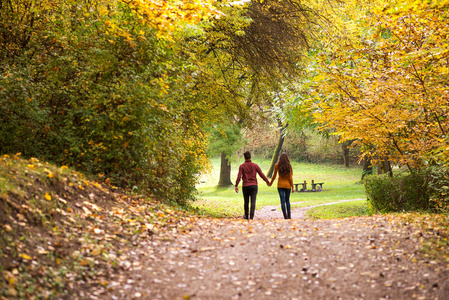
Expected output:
{"points": [[284, 194], [249, 192]]}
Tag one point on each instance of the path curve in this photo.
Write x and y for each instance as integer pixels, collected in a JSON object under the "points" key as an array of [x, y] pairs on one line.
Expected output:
{"points": [[272, 212]]}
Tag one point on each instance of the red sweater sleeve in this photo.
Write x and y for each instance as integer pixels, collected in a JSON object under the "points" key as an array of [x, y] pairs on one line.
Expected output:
{"points": [[239, 177], [262, 175]]}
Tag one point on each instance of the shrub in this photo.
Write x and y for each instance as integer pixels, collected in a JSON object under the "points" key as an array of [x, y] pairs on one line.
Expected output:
{"points": [[401, 193], [74, 93], [439, 188]]}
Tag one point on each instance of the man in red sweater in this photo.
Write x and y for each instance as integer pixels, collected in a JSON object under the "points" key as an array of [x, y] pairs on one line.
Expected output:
{"points": [[247, 172]]}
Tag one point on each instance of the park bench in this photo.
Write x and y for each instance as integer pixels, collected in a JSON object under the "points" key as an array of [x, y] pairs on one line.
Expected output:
{"points": [[304, 187]]}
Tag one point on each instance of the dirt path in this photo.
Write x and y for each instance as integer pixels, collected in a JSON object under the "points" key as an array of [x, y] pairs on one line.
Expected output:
{"points": [[354, 258]]}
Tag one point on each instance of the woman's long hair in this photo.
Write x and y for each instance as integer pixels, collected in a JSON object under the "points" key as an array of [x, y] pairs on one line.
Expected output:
{"points": [[284, 165]]}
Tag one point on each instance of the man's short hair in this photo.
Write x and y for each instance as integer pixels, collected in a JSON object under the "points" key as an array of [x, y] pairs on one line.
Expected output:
{"points": [[247, 155]]}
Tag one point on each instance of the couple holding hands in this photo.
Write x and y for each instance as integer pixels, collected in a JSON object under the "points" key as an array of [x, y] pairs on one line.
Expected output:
{"points": [[248, 172]]}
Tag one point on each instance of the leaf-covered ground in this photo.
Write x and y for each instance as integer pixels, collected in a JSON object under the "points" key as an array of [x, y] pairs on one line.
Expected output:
{"points": [[354, 258], [65, 237]]}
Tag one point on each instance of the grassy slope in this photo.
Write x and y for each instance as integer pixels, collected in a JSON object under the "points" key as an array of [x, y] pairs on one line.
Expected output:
{"points": [[61, 235], [339, 184]]}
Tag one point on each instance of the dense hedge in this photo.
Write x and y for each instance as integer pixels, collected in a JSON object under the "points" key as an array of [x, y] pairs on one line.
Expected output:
{"points": [[439, 188], [73, 93], [426, 189], [400, 193]]}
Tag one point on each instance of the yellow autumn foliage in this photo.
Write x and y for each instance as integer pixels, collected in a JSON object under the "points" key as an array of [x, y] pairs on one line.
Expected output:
{"points": [[382, 79]]}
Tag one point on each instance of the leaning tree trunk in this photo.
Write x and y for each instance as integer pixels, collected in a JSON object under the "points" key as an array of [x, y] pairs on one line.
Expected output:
{"points": [[276, 153], [225, 172]]}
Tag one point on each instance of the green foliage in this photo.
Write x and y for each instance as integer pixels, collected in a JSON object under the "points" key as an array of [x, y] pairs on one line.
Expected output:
{"points": [[105, 101], [426, 189], [439, 189], [395, 194], [225, 139]]}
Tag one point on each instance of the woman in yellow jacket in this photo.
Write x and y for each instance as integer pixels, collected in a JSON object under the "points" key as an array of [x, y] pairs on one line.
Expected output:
{"points": [[285, 183]]}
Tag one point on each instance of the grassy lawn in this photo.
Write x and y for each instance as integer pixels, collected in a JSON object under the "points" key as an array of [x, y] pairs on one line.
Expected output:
{"points": [[341, 210], [340, 183]]}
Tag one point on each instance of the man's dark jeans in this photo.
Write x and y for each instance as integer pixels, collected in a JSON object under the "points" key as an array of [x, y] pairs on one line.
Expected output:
{"points": [[249, 192]]}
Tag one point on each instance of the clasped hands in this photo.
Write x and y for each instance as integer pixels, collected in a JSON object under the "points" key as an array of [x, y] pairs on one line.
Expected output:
{"points": [[237, 188]]}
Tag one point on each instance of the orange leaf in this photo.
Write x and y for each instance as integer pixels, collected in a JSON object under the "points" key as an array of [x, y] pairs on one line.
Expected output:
{"points": [[84, 262]]}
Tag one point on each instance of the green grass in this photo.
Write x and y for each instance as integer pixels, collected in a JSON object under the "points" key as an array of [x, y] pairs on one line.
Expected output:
{"points": [[340, 183], [341, 210]]}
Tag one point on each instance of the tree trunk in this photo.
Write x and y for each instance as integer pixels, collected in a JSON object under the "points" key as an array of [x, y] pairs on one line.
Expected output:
{"points": [[225, 172], [384, 167], [367, 167], [276, 153], [345, 148]]}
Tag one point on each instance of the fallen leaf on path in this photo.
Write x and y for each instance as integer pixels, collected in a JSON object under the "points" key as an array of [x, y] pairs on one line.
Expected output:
{"points": [[207, 249], [25, 256]]}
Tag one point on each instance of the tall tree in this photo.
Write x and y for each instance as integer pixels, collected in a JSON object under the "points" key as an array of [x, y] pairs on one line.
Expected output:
{"points": [[98, 85], [225, 140], [257, 47], [382, 81]]}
